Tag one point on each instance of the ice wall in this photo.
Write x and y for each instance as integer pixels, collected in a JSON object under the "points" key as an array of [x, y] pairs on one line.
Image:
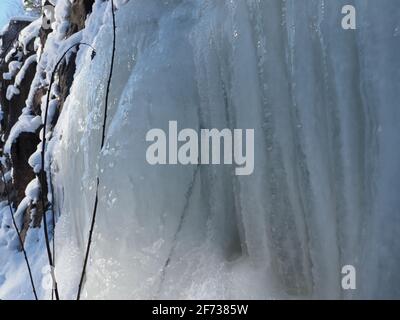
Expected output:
{"points": [[323, 103]]}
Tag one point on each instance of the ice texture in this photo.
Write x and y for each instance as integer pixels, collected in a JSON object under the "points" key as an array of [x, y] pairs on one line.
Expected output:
{"points": [[324, 193]]}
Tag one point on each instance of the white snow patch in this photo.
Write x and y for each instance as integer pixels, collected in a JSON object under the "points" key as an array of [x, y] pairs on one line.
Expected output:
{"points": [[32, 190], [25, 123], [12, 91], [21, 74], [35, 159], [29, 33], [13, 68]]}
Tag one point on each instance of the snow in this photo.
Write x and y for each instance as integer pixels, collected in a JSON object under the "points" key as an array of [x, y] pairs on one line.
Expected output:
{"points": [[7, 176], [21, 74], [29, 33], [33, 190], [13, 68], [24, 18], [12, 265], [25, 123], [9, 55], [17, 70], [35, 159], [12, 91]]}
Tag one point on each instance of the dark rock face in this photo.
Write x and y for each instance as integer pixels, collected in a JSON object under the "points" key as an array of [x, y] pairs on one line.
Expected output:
{"points": [[21, 150], [26, 143], [79, 12], [10, 35], [17, 103], [10, 115]]}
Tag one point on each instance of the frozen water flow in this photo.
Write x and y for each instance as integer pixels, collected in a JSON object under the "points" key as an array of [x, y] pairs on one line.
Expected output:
{"points": [[324, 193]]}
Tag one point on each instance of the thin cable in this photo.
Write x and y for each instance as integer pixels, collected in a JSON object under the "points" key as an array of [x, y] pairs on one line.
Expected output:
{"points": [[43, 172], [109, 77], [89, 241], [101, 147], [19, 235], [182, 219], [53, 217]]}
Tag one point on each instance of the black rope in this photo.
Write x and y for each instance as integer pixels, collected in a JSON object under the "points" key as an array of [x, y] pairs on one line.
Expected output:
{"points": [[21, 242], [109, 77], [53, 217], [43, 172], [89, 241], [101, 147], [167, 262]]}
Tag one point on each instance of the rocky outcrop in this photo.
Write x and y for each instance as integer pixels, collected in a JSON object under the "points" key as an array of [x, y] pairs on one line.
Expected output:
{"points": [[11, 109], [79, 11], [13, 97]]}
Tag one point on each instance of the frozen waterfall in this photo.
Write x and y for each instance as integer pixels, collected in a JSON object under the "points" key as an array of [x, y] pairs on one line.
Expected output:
{"points": [[325, 189]]}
